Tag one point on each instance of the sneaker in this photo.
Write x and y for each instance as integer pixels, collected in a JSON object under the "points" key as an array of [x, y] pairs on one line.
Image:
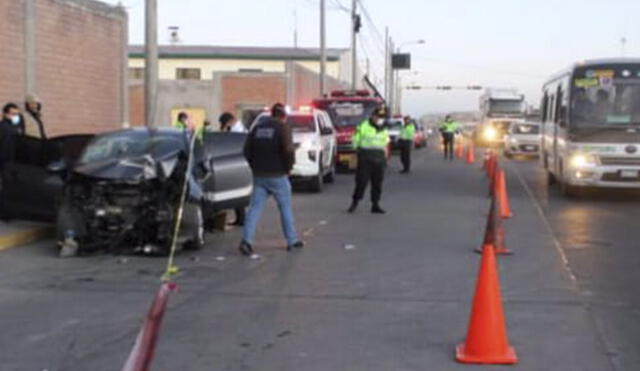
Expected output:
{"points": [[297, 245], [376, 209], [245, 248]]}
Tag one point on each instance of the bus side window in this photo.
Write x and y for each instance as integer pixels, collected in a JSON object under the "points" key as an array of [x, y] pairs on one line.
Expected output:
{"points": [[543, 107], [561, 108], [551, 109]]}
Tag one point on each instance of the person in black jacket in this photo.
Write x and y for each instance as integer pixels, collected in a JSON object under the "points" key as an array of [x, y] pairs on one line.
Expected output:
{"points": [[11, 126], [270, 153]]}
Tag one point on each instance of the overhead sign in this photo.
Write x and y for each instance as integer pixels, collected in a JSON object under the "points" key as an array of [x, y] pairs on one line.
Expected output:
{"points": [[401, 61]]}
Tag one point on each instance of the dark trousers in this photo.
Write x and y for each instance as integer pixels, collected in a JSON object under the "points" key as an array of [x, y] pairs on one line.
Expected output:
{"points": [[371, 166], [405, 154], [447, 139]]}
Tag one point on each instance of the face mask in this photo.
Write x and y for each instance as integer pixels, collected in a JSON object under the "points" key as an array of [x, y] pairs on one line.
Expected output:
{"points": [[379, 122], [15, 119]]}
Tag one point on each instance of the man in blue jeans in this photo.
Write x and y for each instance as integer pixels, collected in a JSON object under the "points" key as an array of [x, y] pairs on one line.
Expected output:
{"points": [[270, 153]]}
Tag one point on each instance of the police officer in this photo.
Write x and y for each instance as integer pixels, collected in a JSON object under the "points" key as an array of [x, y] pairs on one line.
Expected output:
{"points": [[371, 141], [449, 129], [407, 136]]}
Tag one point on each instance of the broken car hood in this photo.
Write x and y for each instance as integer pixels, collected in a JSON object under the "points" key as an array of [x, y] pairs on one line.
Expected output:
{"points": [[131, 169]]}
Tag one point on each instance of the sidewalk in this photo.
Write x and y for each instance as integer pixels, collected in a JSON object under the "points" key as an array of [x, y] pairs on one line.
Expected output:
{"points": [[18, 233]]}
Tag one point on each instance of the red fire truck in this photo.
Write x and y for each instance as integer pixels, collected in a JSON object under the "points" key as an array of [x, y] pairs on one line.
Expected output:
{"points": [[348, 108]]}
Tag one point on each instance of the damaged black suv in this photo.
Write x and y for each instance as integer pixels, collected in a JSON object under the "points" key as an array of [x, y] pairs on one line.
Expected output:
{"points": [[122, 193]]}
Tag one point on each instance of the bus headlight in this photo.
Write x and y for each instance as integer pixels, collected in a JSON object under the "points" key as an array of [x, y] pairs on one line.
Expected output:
{"points": [[490, 133], [580, 160]]}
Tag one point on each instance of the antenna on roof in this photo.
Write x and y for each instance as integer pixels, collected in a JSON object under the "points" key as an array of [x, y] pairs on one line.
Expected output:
{"points": [[174, 37]]}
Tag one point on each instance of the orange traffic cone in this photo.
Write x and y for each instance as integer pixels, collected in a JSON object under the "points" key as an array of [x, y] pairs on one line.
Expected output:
{"points": [[471, 156], [487, 341], [459, 150], [501, 195], [491, 165], [494, 234]]}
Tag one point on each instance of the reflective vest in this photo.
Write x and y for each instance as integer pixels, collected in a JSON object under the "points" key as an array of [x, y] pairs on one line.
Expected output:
{"points": [[180, 125], [368, 136], [449, 127], [408, 132]]}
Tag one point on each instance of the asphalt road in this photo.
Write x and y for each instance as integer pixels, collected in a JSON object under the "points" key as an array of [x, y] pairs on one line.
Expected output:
{"points": [[368, 292]]}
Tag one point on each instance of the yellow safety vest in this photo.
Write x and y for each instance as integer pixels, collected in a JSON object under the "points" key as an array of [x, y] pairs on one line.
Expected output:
{"points": [[368, 136]]}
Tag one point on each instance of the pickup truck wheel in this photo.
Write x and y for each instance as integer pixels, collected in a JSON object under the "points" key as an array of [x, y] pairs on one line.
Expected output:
{"points": [[316, 182], [330, 177]]}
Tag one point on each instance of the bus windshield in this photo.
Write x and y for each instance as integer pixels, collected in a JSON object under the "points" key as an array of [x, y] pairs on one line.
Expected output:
{"points": [[606, 96], [349, 113]]}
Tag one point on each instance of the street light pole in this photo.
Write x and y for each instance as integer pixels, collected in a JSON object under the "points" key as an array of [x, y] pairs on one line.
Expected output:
{"points": [[323, 47], [151, 62], [354, 60], [386, 63]]}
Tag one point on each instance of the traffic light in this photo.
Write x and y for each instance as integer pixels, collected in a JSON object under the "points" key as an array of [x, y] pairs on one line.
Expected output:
{"points": [[357, 23]]}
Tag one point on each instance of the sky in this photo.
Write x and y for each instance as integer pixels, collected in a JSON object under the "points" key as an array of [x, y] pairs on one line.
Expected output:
{"points": [[496, 43]]}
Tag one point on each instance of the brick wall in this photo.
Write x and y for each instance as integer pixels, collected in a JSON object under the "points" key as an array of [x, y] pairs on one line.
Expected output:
{"points": [[252, 89], [79, 48], [12, 46]]}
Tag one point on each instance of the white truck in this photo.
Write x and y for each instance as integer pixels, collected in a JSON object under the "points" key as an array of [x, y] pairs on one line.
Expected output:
{"points": [[499, 108]]}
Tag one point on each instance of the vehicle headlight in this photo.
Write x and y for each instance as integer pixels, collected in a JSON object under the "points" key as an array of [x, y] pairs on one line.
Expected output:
{"points": [[490, 133], [579, 160]]}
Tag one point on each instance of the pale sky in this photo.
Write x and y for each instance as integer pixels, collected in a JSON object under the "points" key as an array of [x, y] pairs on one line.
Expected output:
{"points": [[501, 43]]}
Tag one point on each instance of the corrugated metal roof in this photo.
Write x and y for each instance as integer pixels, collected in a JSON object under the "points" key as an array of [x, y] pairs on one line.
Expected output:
{"points": [[205, 51]]}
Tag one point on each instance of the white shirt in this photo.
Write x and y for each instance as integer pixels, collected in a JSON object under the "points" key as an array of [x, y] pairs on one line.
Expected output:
{"points": [[238, 127]]}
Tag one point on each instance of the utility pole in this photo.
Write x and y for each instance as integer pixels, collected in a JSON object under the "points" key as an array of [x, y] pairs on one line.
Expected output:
{"points": [[354, 59], [386, 63], [392, 89], [323, 47], [30, 46], [151, 62]]}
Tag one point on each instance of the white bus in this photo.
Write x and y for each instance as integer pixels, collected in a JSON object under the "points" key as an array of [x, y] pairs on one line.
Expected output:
{"points": [[591, 125]]}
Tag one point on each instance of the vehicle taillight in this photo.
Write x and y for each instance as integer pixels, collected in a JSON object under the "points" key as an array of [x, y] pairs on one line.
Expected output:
{"points": [[344, 137]]}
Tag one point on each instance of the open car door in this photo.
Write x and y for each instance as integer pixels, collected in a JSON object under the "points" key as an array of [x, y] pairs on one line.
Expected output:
{"points": [[230, 182], [29, 189]]}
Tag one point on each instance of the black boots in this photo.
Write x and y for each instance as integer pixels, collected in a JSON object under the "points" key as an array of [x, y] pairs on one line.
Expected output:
{"points": [[376, 209], [353, 207]]}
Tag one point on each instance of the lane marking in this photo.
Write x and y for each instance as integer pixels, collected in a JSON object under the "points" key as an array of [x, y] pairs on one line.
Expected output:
{"points": [[547, 224]]}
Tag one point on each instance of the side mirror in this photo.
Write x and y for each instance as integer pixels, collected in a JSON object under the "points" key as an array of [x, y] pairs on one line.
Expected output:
{"points": [[59, 166], [326, 131]]}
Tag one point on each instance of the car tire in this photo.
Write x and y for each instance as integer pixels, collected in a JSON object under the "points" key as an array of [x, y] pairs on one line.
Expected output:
{"points": [[330, 177], [197, 240], [551, 179], [316, 182]]}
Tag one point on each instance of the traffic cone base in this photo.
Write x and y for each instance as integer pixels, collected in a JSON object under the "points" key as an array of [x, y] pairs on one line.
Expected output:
{"points": [[487, 341], [508, 358]]}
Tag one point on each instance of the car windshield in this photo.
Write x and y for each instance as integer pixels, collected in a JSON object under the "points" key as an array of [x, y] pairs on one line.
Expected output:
{"points": [[394, 125], [302, 123], [349, 113], [506, 106], [606, 96], [130, 144], [526, 129]]}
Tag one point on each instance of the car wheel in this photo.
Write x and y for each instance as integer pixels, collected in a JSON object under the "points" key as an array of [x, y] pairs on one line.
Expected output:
{"points": [[330, 177], [197, 240], [551, 179], [317, 182]]}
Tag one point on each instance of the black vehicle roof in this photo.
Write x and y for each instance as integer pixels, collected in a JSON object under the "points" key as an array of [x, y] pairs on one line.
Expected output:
{"points": [[137, 131]]}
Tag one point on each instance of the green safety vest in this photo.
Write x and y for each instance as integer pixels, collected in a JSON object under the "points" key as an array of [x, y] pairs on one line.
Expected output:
{"points": [[179, 125], [408, 132], [449, 127], [367, 136]]}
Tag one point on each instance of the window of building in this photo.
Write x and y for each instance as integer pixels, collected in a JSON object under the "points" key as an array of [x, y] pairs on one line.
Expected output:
{"points": [[136, 73], [188, 73]]}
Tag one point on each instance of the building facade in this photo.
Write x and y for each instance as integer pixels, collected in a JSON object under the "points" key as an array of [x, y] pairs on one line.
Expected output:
{"points": [[72, 55], [205, 81]]}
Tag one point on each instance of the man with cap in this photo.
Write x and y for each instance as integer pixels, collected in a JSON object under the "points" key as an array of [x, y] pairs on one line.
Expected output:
{"points": [[407, 138], [371, 142]]}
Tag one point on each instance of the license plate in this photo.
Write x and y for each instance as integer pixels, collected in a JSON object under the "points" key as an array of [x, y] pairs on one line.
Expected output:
{"points": [[628, 173], [349, 159], [531, 148]]}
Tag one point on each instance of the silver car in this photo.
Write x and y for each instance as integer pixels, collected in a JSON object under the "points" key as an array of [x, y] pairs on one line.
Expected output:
{"points": [[522, 139]]}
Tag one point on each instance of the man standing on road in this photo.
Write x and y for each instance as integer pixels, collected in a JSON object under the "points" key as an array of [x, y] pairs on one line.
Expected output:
{"points": [[270, 153], [449, 128], [11, 126], [33, 125], [371, 141], [407, 137], [225, 126]]}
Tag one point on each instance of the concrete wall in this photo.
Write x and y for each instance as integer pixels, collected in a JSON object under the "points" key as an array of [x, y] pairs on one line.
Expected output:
{"points": [[306, 85], [167, 66], [78, 69]]}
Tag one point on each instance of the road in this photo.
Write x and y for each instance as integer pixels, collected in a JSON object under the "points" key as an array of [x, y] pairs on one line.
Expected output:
{"points": [[368, 292]]}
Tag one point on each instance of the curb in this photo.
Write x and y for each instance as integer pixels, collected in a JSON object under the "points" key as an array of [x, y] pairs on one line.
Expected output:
{"points": [[24, 236]]}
